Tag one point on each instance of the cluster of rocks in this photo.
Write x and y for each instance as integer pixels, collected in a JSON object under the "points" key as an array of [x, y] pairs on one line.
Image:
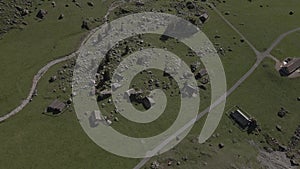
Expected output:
{"points": [[293, 152], [114, 57], [282, 112], [63, 77], [295, 140], [168, 162], [12, 14], [190, 10]]}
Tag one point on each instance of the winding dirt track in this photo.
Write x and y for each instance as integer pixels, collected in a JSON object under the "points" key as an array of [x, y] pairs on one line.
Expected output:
{"points": [[259, 57], [44, 69]]}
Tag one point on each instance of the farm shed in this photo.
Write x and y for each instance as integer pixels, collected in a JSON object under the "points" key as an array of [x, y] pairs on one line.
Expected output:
{"points": [[240, 118], [56, 107], [290, 67]]}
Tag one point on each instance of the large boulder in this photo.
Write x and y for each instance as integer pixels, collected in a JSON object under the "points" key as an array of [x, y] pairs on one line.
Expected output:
{"points": [[85, 25], [41, 14], [90, 3]]}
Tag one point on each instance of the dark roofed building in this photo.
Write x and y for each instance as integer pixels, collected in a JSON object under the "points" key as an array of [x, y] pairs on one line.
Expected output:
{"points": [[56, 107], [290, 67], [242, 120]]}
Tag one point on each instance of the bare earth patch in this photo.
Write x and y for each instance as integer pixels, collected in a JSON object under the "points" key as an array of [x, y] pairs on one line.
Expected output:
{"points": [[273, 160]]}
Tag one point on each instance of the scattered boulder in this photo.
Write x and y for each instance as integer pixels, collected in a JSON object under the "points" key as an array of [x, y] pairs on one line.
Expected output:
{"points": [[294, 162], [139, 3], [69, 101], [52, 79], [25, 12], [24, 23], [190, 5], [202, 87], [227, 13], [193, 67], [85, 25], [22, 11], [41, 14], [278, 127], [77, 4], [61, 16], [90, 3], [282, 148], [204, 17], [53, 4], [185, 158], [282, 112], [221, 145], [116, 119], [154, 165], [268, 149]]}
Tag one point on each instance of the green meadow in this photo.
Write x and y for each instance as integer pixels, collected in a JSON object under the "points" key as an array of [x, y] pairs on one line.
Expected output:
{"points": [[288, 47], [261, 21], [32, 139], [25, 51]]}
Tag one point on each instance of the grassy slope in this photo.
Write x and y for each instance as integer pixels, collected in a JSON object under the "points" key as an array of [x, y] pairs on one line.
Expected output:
{"points": [[24, 52], [262, 25], [261, 96], [41, 139], [33, 140], [264, 93], [237, 62], [288, 47], [33, 143]]}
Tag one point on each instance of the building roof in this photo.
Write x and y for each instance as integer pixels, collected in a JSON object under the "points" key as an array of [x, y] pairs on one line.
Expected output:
{"points": [[242, 120], [292, 65], [57, 105]]}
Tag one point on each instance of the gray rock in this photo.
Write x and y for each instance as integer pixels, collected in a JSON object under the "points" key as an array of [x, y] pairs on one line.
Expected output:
{"points": [[278, 127], [90, 3], [53, 4], [61, 16], [85, 25], [190, 5], [294, 162], [41, 14], [52, 79], [221, 145], [139, 3]]}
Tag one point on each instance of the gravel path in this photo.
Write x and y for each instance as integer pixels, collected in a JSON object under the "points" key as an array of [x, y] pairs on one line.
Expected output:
{"points": [[259, 57], [44, 69]]}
